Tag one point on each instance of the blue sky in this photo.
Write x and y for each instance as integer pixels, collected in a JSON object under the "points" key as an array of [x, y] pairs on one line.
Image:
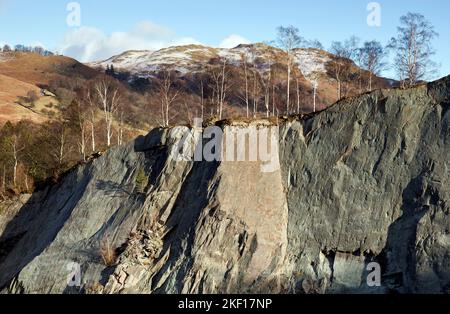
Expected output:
{"points": [[108, 27]]}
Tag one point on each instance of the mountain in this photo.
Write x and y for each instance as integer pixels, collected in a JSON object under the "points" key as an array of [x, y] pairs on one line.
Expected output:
{"points": [[194, 66], [191, 61], [366, 180], [195, 58]]}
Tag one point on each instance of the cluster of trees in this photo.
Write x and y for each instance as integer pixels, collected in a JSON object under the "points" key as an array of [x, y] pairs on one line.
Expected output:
{"points": [[208, 94], [412, 50], [31, 153], [91, 118], [369, 56], [22, 48], [354, 67]]}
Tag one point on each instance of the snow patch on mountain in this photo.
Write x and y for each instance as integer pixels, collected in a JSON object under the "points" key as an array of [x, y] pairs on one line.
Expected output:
{"points": [[194, 58], [183, 59], [311, 62]]}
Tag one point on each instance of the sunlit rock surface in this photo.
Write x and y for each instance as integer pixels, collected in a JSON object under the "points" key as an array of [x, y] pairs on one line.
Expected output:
{"points": [[367, 180]]}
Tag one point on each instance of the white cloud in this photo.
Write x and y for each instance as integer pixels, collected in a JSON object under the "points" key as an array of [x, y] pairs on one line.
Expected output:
{"points": [[91, 44], [150, 29], [88, 44], [233, 41]]}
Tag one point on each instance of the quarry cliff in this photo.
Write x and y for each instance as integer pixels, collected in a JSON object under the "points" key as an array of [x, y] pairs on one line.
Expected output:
{"points": [[364, 181]]}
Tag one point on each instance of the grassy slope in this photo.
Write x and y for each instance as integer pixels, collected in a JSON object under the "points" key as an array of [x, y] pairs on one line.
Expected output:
{"points": [[22, 72], [10, 90], [36, 69]]}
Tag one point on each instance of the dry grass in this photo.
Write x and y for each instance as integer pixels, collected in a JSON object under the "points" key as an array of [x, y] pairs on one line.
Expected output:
{"points": [[94, 288], [19, 74], [10, 90], [35, 69], [108, 253]]}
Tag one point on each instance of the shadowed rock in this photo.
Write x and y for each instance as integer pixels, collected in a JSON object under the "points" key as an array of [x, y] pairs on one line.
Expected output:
{"points": [[367, 180]]}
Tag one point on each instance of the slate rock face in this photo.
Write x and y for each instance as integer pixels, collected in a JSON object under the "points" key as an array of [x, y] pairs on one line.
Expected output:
{"points": [[364, 184]]}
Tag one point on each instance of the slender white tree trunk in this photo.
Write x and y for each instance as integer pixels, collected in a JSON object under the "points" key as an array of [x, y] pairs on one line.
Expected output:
{"points": [[26, 183], [120, 130], [273, 99], [246, 85], [4, 179], [92, 120], [315, 93], [14, 146], [222, 89], [83, 142], [360, 80], [203, 101], [109, 129], [255, 96], [62, 143], [15, 172], [298, 97], [167, 113], [339, 90], [92, 136], [288, 85]]}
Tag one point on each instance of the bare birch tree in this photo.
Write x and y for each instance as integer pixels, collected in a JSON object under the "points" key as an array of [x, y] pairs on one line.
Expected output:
{"points": [[341, 64], [120, 129], [255, 92], [268, 87], [109, 98], [91, 118], [59, 140], [244, 58], [372, 57], [16, 148], [77, 113], [4, 179], [413, 48], [314, 80], [220, 86], [60, 151], [288, 39], [223, 87], [202, 101], [168, 95], [298, 95]]}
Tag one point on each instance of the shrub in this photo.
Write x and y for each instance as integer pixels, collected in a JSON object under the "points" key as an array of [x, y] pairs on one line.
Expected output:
{"points": [[32, 96], [141, 180]]}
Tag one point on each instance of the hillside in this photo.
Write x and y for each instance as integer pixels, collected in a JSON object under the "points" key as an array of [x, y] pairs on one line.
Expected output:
{"points": [[36, 69], [194, 66], [11, 90], [363, 181], [310, 66], [21, 73]]}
